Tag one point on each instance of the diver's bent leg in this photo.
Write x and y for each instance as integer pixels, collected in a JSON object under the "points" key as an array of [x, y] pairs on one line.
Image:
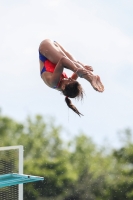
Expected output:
{"points": [[65, 63], [51, 51], [59, 69]]}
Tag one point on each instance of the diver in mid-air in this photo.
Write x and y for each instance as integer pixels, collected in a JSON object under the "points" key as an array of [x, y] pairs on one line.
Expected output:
{"points": [[53, 59]]}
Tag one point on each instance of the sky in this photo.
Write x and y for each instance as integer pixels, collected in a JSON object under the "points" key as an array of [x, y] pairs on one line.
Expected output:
{"points": [[98, 33]]}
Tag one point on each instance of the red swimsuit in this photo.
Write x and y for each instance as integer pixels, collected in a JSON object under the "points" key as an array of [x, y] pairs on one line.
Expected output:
{"points": [[49, 67]]}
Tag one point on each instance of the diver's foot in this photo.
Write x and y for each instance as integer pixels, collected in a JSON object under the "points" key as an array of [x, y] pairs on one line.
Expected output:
{"points": [[97, 84]]}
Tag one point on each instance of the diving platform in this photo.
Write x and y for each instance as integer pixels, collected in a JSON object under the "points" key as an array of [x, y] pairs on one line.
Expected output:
{"points": [[15, 179]]}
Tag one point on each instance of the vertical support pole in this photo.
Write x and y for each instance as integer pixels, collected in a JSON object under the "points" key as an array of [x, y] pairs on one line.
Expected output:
{"points": [[20, 171]]}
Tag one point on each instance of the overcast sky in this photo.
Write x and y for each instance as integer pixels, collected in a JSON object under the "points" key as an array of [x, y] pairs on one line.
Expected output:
{"points": [[97, 33]]}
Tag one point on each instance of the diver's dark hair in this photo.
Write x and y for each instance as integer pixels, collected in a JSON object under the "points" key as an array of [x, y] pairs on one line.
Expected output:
{"points": [[73, 90]]}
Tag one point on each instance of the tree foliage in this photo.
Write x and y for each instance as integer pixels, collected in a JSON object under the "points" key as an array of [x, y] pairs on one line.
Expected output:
{"points": [[76, 170]]}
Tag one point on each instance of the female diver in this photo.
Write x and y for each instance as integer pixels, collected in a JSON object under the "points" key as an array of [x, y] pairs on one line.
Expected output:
{"points": [[53, 59]]}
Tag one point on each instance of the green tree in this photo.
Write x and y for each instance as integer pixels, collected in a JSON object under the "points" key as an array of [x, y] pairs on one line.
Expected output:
{"points": [[74, 171], [44, 154], [10, 131], [123, 178], [92, 167]]}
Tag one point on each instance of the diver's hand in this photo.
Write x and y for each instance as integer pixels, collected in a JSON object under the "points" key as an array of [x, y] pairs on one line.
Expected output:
{"points": [[81, 72], [88, 68]]}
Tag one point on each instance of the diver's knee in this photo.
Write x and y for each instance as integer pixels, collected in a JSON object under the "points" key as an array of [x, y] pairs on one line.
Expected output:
{"points": [[43, 45]]}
